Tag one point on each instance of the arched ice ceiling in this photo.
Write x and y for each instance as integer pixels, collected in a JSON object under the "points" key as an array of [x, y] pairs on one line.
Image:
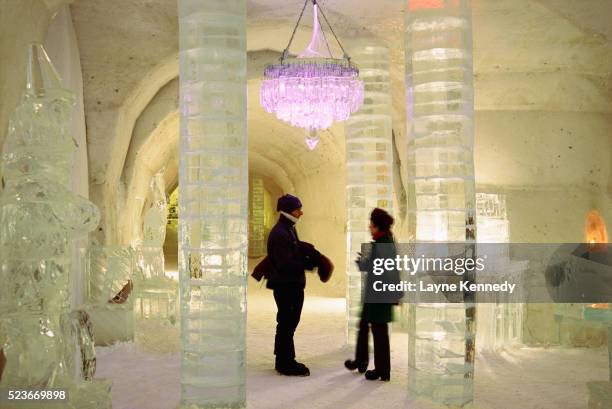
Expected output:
{"points": [[141, 38], [538, 55], [276, 151]]}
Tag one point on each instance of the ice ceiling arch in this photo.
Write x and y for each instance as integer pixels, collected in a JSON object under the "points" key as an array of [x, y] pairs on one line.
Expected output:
{"points": [[154, 145], [509, 65]]}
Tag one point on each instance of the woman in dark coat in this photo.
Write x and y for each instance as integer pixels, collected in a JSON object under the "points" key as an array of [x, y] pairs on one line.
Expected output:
{"points": [[373, 315]]}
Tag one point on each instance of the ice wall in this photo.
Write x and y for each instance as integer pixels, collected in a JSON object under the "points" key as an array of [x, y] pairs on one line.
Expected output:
{"points": [[369, 165], [213, 202], [439, 101]]}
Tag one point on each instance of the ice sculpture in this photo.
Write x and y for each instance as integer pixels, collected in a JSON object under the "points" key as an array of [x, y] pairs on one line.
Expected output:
{"points": [[499, 323], [78, 328], [257, 245], [369, 163], [439, 92], [213, 202], [156, 294], [156, 217], [108, 272], [39, 217], [492, 220]]}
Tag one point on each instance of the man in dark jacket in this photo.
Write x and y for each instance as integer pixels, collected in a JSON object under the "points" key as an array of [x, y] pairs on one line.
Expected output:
{"points": [[287, 280]]}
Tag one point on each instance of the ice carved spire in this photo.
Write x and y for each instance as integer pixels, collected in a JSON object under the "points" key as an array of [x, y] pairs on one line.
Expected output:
{"points": [[39, 217]]}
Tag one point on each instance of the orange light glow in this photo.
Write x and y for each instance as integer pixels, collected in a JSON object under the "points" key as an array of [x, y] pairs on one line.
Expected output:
{"points": [[595, 228], [438, 4], [425, 4]]}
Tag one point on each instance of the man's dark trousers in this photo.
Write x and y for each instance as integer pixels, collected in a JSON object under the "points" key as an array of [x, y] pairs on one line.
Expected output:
{"points": [[289, 299]]}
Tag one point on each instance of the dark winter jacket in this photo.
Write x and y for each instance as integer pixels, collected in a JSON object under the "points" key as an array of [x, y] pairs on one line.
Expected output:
{"points": [[374, 312], [284, 254]]}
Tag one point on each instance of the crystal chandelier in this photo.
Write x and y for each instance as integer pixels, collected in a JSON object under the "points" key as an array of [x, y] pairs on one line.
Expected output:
{"points": [[314, 89]]}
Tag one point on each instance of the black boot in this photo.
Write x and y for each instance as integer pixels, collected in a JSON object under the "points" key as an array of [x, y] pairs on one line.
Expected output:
{"points": [[373, 375], [352, 365], [292, 368]]}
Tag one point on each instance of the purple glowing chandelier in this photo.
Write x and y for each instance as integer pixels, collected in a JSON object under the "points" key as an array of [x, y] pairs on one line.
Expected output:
{"points": [[314, 89]]}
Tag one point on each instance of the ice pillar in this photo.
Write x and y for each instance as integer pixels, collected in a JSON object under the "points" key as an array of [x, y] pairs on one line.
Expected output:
{"points": [[156, 217], [213, 202], [156, 293], [499, 322], [369, 163], [439, 91], [150, 255], [257, 234]]}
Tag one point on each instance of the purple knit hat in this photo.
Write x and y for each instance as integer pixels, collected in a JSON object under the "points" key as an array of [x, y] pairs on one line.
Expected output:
{"points": [[288, 203]]}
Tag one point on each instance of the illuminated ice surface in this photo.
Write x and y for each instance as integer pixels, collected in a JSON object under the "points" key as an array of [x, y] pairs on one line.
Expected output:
{"points": [[108, 272], [156, 217], [492, 219], [213, 202], [156, 294], [39, 217], [500, 323], [439, 91], [369, 163], [257, 234]]}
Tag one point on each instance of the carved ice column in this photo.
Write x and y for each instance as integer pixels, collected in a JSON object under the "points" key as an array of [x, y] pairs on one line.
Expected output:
{"points": [[213, 202], [156, 294], [500, 322], [439, 92], [257, 243], [156, 216], [39, 217], [369, 163]]}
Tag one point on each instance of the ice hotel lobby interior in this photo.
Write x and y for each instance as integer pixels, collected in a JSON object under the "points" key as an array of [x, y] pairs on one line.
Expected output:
{"points": [[146, 144]]}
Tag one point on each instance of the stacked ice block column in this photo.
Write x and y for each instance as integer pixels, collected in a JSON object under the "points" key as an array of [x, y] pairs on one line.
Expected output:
{"points": [[213, 202], [257, 245], [439, 91], [369, 163]]}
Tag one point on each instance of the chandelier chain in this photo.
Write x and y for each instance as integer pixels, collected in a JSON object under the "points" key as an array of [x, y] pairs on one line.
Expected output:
{"points": [[297, 24], [332, 31], [326, 42]]}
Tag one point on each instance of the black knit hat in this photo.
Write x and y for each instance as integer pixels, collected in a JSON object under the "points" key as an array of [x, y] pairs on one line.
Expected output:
{"points": [[381, 219], [288, 203]]}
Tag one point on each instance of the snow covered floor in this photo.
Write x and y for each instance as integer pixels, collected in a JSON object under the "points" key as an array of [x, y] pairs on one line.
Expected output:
{"points": [[527, 378]]}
